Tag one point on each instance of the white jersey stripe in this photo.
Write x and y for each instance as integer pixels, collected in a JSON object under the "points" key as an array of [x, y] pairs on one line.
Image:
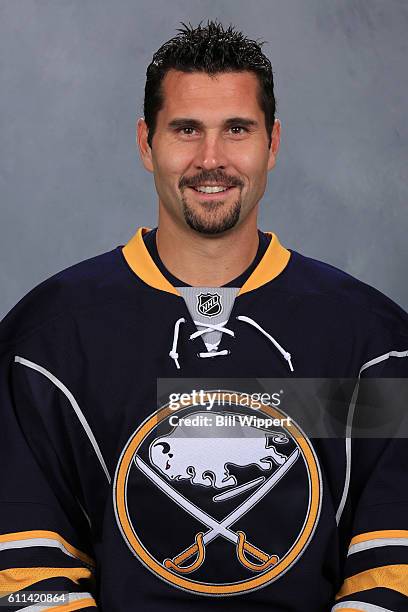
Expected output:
{"points": [[359, 605], [74, 404], [72, 597], [349, 425], [377, 543], [383, 358], [43, 542]]}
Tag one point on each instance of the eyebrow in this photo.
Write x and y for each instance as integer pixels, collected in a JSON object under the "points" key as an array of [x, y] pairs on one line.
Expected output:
{"points": [[194, 123]]}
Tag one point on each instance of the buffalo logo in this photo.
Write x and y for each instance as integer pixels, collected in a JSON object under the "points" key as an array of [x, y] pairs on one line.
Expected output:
{"points": [[252, 447], [209, 304], [195, 491]]}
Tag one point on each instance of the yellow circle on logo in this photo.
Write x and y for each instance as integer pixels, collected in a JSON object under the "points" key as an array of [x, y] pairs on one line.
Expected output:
{"points": [[181, 581]]}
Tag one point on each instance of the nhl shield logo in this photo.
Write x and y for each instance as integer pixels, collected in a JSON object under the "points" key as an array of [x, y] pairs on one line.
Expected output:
{"points": [[209, 304], [195, 491]]}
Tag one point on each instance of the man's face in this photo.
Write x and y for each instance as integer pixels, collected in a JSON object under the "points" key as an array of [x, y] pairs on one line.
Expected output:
{"points": [[210, 155]]}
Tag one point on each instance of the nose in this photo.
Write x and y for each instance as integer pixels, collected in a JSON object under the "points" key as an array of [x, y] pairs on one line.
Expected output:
{"points": [[210, 154]]}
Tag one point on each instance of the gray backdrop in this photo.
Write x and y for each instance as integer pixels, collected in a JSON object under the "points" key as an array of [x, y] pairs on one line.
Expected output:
{"points": [[71, 83]]}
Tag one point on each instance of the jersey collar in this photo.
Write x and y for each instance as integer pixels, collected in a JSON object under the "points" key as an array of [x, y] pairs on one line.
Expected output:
{"points": [[273, 262]]}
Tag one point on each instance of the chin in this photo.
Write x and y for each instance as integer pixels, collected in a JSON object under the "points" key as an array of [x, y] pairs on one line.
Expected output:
{"points": [[210, 223]]}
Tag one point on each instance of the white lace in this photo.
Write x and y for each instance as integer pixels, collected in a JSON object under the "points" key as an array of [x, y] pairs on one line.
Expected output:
{"points": [[220, 327], [173, 353], [280, 348], [208, 327]]}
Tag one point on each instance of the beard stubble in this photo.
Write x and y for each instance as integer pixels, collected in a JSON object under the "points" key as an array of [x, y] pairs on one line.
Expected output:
{"points": [[209, 222]]}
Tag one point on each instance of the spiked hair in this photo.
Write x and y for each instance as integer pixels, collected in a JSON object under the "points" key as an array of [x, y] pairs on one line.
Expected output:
{"points": [[211, 49]]}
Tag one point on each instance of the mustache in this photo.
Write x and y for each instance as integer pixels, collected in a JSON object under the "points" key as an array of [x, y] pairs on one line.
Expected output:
{"points": [[207, 176]]}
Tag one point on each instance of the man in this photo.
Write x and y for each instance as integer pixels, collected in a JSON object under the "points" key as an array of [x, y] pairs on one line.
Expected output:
{"points": [[127, 506]]}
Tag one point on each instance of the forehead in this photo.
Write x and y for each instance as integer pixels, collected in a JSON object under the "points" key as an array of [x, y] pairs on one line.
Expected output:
{"points": [[233, 93]]}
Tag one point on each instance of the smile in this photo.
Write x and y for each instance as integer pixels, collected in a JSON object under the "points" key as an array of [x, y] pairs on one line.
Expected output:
{"points": [[211, 188], [212, 191]]}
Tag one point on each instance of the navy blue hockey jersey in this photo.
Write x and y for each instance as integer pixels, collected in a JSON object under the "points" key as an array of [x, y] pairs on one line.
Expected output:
{"points": [[118, 501]]}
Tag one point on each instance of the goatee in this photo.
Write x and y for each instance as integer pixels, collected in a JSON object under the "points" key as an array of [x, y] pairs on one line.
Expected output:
{"points": [[208, 223]]}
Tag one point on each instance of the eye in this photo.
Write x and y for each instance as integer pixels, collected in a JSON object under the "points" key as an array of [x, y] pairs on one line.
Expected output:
{"points": [[187, 131], [238, 130]]}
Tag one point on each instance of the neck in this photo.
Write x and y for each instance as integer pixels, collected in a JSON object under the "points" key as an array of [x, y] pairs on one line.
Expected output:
{"points": [[206, 261]]}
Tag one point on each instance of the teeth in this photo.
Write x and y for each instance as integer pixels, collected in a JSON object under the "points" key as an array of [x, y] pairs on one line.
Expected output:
{"points": [[211, 189]]}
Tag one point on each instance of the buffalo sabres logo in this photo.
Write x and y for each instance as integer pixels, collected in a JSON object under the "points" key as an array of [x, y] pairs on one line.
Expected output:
{"points": [[209, 304], [213, 503]]}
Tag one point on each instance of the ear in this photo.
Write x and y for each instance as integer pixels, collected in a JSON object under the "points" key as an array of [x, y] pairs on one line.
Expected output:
{"points": [[275, 142], [144, 147]]}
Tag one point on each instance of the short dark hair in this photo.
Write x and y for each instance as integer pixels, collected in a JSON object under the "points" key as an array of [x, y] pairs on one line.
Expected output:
{"points": [[211, 49]]}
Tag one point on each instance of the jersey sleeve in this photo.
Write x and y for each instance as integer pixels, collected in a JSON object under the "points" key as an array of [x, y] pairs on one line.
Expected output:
{"points": [[45, 544], [376, 567]]}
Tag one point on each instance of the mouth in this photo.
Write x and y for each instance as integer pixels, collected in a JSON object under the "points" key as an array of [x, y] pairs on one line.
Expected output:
{"points": [[212, 192], [167, 465]]}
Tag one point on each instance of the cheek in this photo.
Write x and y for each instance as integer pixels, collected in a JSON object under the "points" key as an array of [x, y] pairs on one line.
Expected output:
{"points": [[255, 174], [173, 161], [252, 163]]}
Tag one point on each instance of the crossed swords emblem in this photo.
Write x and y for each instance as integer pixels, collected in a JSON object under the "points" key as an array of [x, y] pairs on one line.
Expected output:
{"points": [[219, 528]]}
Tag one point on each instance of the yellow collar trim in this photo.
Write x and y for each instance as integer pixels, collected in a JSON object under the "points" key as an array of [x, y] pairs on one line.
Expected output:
{"points": [[273, 262], [138, 258]]}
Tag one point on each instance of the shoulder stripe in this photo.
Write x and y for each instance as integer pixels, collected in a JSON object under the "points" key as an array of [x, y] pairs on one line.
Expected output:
{"points": [[353, 606], [27, 539], [384, 357], [347, 477], [393, 577], [77, 601], [349, 425], [74, 404]]}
